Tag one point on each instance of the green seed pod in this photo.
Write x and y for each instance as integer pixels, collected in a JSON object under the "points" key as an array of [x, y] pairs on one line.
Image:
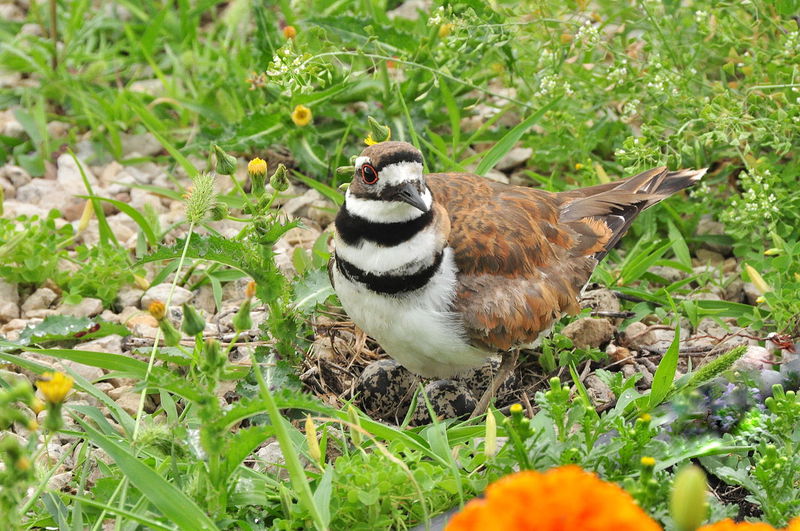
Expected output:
{"points": [[280, 179], [171, 336], [192, 323], [242, 320], [688, 505], [219, 211], [226, 164]]}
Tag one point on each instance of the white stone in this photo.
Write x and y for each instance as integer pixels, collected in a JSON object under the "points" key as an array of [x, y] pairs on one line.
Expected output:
{"points": [[69, 175], [16, 175], [160, 293], [516, 157], [87, 307], [40, 299]]}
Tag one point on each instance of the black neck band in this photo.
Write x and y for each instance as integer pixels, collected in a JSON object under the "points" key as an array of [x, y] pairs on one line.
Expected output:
{"points": [[352, 228], [389, 284]]}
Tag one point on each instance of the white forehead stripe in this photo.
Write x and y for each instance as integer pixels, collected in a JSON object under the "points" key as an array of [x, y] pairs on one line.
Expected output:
{"points": [[380, 211], [360, 161], [400, 172]]}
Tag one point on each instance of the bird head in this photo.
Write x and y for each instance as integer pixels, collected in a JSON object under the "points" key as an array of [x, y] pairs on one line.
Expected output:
{"points": [[388, 185]]}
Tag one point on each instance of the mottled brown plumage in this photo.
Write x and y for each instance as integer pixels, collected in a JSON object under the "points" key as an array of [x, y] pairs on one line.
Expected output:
{"points": [[506, 261]]}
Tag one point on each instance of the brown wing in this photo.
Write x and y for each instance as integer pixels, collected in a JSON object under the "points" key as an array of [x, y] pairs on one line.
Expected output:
{"points": [[524, 254], [520, 268]]}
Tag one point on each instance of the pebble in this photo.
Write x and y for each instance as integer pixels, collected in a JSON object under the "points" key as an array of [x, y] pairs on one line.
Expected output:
{"points": [[160, 293], [86, 371], [39, 299], [9, 301], [599, 391], [16, 175], [87, 307], [638, 335], [589, 332], [111, 343], [515, 157]]}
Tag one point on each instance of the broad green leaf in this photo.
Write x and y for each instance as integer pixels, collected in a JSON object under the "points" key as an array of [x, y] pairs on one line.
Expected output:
{"points": [[68, 328]]}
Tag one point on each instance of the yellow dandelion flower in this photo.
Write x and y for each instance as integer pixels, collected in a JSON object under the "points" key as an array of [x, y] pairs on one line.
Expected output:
{"points": [[289, 32], [55, 386], [301, 115], [257, 166], [516, 408], [648, 462]]}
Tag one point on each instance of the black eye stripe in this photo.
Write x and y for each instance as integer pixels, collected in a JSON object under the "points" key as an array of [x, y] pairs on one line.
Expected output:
{"points": [[399, 156]]}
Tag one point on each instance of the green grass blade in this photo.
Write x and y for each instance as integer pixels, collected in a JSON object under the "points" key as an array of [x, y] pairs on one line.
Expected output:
{"points": [[506, 143], [171, 501], [132, 213], [665, 373]]}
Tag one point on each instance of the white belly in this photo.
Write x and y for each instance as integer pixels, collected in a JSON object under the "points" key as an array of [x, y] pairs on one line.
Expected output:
{"points": [[416, 329]]}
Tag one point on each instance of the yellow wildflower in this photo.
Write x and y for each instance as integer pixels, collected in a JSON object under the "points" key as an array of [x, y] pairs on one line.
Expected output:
{"points": [[301, 115], [648, 462], [289, 32], [257, 166], [157, 310], [55, 386]]}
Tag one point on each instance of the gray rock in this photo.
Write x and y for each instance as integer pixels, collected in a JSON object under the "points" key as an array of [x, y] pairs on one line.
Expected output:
{"points": [[144, 144], [706, 256], [588, 332], [516, 157], [600, 393], [58, 482], [42, 192], [16, 176], [69, 176], [86, 371], [161, 292], [111, 343], [129, 296], [271, 460], [670, 274], [40, 299], [755, 358], [708, 226], [638, 335], [601, 300], [751, 293], [9, 301], [87, 307]]}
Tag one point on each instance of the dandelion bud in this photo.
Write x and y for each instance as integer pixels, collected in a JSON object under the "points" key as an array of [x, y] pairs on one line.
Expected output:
{"points": [[345, 170], [377, 132], [250, 290], [688, 500], [86, 216], [280, 179], [757, 280], [172, 337], [157, 310], [289, 32], [490, 444], [311, 438], [242, 320], [226, 164], [192, 323], [219, 211], [355, 434], [257, 170], [214, 359], [37, 406], [647, 462]]}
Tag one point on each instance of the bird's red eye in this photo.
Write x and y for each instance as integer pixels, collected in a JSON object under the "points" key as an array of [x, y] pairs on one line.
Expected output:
{"points": [[368, 174]]}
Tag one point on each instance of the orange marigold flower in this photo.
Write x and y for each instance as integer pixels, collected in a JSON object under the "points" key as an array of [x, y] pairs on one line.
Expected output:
{"points": [[563, 498], [730, 525], [301, 115], [794, 525]]}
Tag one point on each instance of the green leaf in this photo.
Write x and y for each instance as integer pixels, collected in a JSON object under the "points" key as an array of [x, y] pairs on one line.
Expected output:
{"points": [[68, 328], [499, 150], [176, 506], [134, 214], [313, 289], [665, 373]]}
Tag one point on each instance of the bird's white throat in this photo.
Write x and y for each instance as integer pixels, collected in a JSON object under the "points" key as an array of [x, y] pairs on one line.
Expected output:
{"points": [[380, 211]]}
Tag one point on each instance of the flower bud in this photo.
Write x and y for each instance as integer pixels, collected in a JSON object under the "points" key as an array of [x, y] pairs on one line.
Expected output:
{"points": [[301, 115], [86, 215], [192, 323], [289, 32], [311, 438], [280, 179], [219, 211], [172, 337], [377, 132], [490, 443], [688, 505], [242, 320], [757, 280], [257, 170], [355, 434], [226, 164], [157, 310]]}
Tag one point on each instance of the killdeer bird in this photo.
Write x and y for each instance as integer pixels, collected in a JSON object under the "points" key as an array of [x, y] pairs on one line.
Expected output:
{"points": [[446, 269]]}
